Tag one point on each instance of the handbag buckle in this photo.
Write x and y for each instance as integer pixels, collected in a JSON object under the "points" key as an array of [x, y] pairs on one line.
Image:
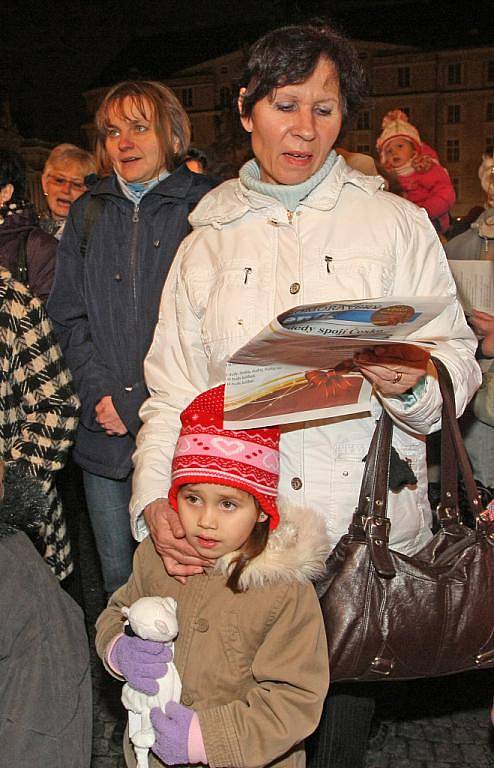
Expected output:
{"points": [[382, 666], [378, 525]]}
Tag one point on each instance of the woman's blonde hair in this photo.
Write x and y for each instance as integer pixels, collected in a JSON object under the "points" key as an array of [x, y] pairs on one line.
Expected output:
{"points": [[66, 154], [169, 117]]}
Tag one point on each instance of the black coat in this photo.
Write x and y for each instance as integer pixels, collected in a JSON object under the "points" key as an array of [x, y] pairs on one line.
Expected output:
{"points": [[104, 305]]}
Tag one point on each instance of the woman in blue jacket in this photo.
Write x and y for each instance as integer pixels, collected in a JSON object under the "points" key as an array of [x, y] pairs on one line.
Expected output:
{"points": [[113, 259]]}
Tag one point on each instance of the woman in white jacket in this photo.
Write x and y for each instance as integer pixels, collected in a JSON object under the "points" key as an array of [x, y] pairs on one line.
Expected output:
{"points": [[299, 226]]}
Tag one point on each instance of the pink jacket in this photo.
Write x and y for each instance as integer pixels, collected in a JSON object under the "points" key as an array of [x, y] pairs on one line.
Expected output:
{"points": [[431, 190]]}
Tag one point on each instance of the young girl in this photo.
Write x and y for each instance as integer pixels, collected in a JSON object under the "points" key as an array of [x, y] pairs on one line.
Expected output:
{"points": [[251, 650], [416, 168]]}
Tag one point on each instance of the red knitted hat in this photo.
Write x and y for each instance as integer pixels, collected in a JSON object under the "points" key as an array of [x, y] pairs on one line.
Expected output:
{"points": [[206, 453]]}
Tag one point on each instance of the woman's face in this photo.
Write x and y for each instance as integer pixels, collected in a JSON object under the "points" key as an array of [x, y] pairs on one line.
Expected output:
{"points": [[132, 141], [295, 128], [62, 184]]}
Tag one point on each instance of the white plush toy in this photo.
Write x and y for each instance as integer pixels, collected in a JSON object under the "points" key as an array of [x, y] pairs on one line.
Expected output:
{"points": [[151, 618]]}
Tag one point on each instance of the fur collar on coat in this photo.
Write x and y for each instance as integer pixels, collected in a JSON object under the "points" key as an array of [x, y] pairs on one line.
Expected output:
{"points": [[296, 551]]}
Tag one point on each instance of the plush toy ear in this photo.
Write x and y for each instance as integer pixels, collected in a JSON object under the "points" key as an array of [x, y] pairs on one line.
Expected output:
{"points": [[162, 626], [125, 611]]}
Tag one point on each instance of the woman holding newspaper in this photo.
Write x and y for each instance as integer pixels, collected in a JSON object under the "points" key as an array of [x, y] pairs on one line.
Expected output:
{"points": [[299, 226]]}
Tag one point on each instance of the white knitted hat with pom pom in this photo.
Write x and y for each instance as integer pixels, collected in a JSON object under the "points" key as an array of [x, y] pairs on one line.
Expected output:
{"points": [[395, 124]]}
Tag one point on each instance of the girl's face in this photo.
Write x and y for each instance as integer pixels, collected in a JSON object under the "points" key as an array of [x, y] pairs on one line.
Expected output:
{"points": [[294, 129], [132, 142], [217, 519], [398, 152]]}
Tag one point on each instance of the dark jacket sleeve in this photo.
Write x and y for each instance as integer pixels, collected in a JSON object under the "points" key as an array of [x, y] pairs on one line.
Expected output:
{"points": [[127, 403], [67, 309]]}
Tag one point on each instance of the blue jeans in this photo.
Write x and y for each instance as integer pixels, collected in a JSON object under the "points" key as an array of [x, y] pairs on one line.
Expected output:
{"points": [[108, 506]]}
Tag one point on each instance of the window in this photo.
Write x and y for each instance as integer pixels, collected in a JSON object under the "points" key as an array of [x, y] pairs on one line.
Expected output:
{"points": [[454, 74], [490, 71], [453, 150], [454, 113], [363, 122], [455, 181], [187, 97], [363, 148], [489, 112], [403, 77], [225, 98]]}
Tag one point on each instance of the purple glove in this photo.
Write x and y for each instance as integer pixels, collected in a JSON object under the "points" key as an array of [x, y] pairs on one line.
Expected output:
{"points": [[171, 729], [141, 662]]}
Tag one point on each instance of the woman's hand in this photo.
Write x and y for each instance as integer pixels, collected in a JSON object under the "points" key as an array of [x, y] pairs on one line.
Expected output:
{"points": [[179, 557], [108, 418], [393, 369], [483, 325]]}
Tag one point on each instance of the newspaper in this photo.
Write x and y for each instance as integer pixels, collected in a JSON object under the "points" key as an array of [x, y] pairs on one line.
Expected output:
{"points": [[300, 367], [475, 284]]}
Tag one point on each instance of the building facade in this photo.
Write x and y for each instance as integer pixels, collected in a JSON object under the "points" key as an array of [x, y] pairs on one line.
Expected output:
{"points": [[448, 95]]}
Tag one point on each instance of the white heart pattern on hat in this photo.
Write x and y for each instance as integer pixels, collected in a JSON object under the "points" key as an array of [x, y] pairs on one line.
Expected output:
{"points": [[227, 447], [271, 462]]}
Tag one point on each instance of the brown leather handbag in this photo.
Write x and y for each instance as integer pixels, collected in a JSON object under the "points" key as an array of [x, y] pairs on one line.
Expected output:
{"points": [[389, 616]]}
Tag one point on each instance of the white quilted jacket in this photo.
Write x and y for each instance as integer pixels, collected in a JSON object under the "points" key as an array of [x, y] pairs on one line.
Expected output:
{"points": [[247, 260]]}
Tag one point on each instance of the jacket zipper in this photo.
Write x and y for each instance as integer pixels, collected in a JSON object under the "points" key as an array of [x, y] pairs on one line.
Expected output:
{"points": [[328, 260], [133, 258]]}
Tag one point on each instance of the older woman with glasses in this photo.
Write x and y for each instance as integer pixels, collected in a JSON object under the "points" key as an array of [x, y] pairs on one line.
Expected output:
{"points": [[300, 226], [63, 182]]}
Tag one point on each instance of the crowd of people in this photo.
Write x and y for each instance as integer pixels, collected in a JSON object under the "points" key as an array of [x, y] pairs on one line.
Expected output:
{"points": [[120, 305]]}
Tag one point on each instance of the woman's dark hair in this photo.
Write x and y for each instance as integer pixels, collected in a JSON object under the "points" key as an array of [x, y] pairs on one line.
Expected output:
{"points": [[290, 55], [13, 171], [255, 544]]}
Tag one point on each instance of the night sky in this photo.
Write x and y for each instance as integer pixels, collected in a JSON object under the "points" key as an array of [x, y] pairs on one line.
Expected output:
{"points": [[52, 52]]}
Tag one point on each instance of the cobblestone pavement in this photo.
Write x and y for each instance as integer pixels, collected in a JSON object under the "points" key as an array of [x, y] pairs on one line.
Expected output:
{"points": [[440, 723]]}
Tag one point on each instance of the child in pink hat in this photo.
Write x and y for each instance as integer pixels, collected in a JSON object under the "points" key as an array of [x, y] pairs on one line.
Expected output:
{"points": [[251, 649], [416, 168]]}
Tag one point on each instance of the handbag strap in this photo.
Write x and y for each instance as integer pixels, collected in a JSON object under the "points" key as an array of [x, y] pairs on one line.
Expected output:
{"points": [[21, 263], [370, 522], [454, 455]]}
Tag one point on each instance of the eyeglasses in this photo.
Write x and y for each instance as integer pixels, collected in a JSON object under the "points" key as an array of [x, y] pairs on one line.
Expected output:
{"points": [[61, 181]]}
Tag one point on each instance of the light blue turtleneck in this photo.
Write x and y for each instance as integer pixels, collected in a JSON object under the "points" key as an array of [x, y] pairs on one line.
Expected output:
{"points": [[289, 195], [135, 190]]}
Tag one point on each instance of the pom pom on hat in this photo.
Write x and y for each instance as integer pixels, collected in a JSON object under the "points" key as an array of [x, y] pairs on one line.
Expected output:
{"points": [[395, 124], [206, 453]]}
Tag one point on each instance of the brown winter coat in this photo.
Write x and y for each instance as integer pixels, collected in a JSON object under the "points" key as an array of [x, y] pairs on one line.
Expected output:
{"points": [[254, 665]]}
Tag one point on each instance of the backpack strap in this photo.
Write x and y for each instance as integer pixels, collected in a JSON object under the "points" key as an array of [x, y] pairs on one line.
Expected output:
{"points": [[21, 266], [93, 211]]}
